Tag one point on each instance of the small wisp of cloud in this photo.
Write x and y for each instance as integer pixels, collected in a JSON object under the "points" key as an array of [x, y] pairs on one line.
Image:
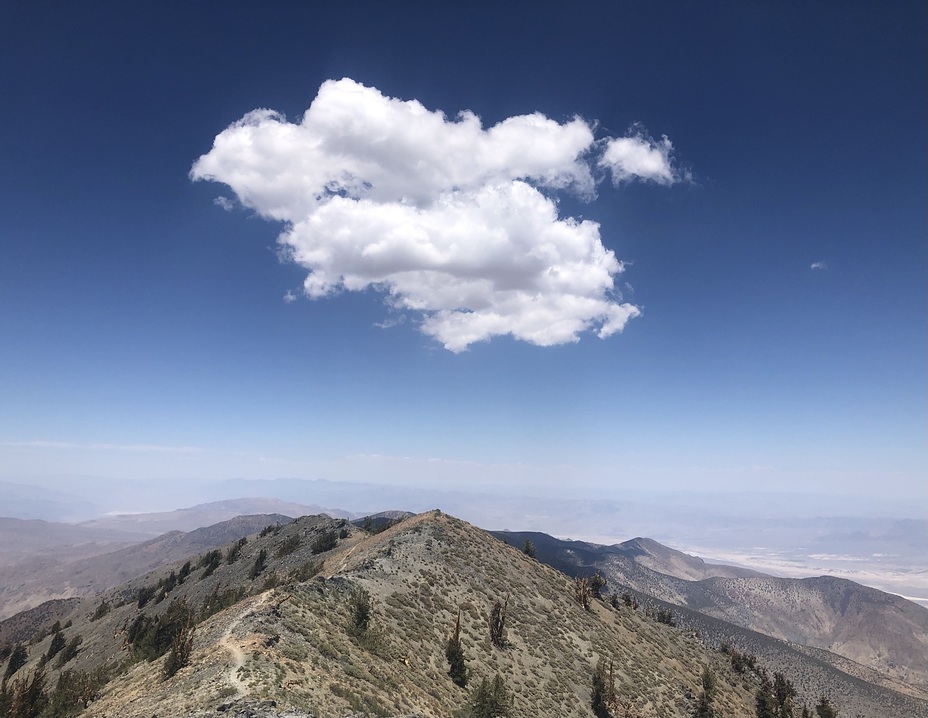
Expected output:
{"points": [[225, 203], [818, 265], [456, 224]]}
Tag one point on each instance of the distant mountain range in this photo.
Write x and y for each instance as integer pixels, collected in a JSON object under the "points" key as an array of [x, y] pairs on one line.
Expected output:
{"points": [[188, 519], [877, 541], [31, 582]]}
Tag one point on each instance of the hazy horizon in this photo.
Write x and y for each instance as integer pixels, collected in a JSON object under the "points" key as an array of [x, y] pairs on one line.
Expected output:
{"points": [[877, 543]]}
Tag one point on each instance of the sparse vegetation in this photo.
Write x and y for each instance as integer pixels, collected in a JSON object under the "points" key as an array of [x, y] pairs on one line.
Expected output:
{"points": [[259, 565], [219, 599], [75, 691], [151, 638], [665, 616], [289, 545], [325, 541], [181, 648], [100, 611], [235, 550], [303, 572], [209, 562], [69, 651]]}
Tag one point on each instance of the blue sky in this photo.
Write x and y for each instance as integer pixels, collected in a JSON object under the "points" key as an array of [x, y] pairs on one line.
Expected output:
{"points": [[144, 332]]}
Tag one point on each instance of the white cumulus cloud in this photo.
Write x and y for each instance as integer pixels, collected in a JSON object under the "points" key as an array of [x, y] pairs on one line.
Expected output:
{"points": [[453, 222], [637, 157]]}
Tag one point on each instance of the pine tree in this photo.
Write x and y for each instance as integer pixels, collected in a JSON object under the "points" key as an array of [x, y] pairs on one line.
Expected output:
{"points": [[603, 699], [528, 548], [259, 565], [457, 669], [6, 699], [825, 709], [362, 610], [69, 650], [181, 648], [28, 695], [704, 702], [583, 592], [784, 693], [491, 699], [764, 701], [498, 623], [18, 657], [57, 643]]}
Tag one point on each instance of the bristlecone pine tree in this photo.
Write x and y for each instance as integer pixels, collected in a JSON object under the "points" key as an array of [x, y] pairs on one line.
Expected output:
{"points": [[528, 548], [181, 648], [498, 623], [825, 709], [775, 700], [491, 699], [583, 592], [784, 693], [603, 698], [765, 703], [455, 655], [361, 606], [18, 657], [703, 707], [28, 697], [259, 565]]}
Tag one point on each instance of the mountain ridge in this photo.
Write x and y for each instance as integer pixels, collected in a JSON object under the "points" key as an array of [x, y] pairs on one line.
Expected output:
{"points": [[284, 633], [878, 630]]}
